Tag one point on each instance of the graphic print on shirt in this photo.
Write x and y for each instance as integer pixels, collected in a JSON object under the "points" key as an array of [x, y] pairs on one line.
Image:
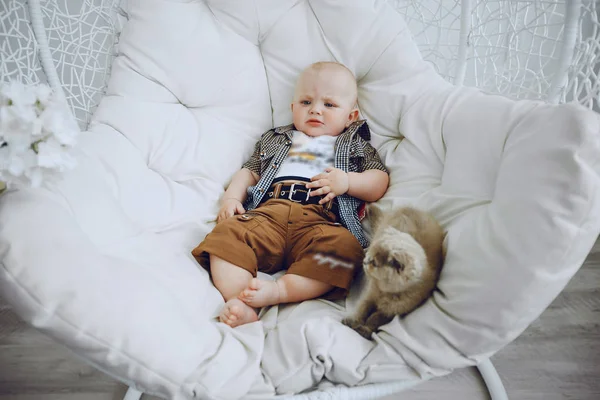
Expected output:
{"points": [[308, 156]]}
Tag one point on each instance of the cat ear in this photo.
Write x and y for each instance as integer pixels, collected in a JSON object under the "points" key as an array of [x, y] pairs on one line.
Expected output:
{"points": [[374, 214]]}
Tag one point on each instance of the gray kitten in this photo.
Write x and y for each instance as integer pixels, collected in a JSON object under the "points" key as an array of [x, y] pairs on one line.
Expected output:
{"points": [[402, 266]]}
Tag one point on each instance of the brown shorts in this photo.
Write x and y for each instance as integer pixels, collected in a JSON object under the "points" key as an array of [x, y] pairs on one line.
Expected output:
{"points": [[305, 240]]}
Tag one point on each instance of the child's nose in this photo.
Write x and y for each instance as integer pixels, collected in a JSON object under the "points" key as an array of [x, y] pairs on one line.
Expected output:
{"points": [[315, 109]]}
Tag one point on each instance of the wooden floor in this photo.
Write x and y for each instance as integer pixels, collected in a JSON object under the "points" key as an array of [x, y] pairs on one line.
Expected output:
{"points": [[557, 357]]}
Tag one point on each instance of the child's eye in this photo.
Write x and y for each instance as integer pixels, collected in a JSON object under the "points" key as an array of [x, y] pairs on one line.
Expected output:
{"points": [[305, 102], [328, 105]]}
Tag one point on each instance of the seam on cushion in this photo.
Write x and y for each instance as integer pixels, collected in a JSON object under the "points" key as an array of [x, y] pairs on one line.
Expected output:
{"points": [[267, 33], [309, 363], [154, 80], [262, 58], [268, 84], [259, 29], [388, 45], [424, 93], [146, 161], [376, 58], [374, 61], [57, 190], [591, 203], [173, 121], [86, 334], [513, 126], [224, 25], [312, 10]]}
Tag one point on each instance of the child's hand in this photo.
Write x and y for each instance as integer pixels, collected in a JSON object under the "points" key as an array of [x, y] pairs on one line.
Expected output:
{"points": [[229, 208], [333, 182]]}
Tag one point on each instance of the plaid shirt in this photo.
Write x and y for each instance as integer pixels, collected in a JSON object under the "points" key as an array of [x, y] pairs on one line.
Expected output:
{"points": [[353, 153]]}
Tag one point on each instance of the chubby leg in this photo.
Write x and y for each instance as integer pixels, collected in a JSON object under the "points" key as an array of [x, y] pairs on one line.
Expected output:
{"points": [[290, 288], [230, 280], [323, 255]]}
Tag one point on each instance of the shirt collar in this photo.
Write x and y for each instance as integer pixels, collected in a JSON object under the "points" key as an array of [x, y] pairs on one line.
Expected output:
{"points": [[359, 126]]}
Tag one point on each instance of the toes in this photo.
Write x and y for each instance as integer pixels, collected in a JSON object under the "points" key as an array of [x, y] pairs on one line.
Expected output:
{"points": [[237, 313], [249, 300], [229, 315], [225, 319], [255, 284], [234, 311], [246, 295]]}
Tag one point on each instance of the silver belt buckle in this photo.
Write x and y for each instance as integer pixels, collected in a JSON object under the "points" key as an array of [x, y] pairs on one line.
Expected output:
{"points": [[293, 191]]}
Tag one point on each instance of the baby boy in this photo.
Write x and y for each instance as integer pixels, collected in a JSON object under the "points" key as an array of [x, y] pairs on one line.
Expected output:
{"points": [[294, 205]]}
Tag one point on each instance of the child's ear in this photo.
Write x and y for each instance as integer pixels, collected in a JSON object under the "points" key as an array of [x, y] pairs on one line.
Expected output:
{"points": [[292, 107], [352, 117]]}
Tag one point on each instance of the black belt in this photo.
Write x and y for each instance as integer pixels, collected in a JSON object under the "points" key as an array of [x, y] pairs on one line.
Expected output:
{"points": [[298, 193]]}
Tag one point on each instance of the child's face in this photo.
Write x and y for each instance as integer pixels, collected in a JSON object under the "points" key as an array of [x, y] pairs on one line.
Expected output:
{"points": [[324, 102]]}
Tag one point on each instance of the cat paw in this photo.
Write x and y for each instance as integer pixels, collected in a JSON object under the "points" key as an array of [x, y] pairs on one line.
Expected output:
{"points": [[364, 331], [350, 322], [359, 327]]}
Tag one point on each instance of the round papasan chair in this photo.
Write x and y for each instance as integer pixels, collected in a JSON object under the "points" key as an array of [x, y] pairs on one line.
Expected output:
{"points": [[482, 110]]}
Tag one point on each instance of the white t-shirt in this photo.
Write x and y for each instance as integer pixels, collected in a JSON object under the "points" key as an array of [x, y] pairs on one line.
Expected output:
{"points": [[308, 156]]}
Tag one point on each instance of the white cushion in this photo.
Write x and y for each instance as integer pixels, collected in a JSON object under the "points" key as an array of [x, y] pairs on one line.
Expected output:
{"points": [[101, 261]]}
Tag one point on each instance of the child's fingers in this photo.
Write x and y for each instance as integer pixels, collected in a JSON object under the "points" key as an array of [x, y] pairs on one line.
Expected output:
{"points": [[318, 176], [330, 196], [318, 183], [240, 209], [224, 215], [323, 190]]}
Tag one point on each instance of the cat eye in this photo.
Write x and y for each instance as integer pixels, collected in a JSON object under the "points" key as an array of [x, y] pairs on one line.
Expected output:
{"points": [[397, 265]]}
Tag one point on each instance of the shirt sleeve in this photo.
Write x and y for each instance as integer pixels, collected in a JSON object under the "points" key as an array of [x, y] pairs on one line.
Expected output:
{"points": [[372, 159], [253, 163]]}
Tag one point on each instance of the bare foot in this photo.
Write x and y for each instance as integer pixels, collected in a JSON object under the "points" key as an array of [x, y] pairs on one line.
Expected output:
{"points": [[260, 293], [235, 313]]}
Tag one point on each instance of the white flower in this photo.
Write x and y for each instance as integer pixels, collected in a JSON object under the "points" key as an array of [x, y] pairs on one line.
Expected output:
{"points": [[37, 133], [57, 122], [51, 154], [17, 94], [43, 95], [16, 121]]}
